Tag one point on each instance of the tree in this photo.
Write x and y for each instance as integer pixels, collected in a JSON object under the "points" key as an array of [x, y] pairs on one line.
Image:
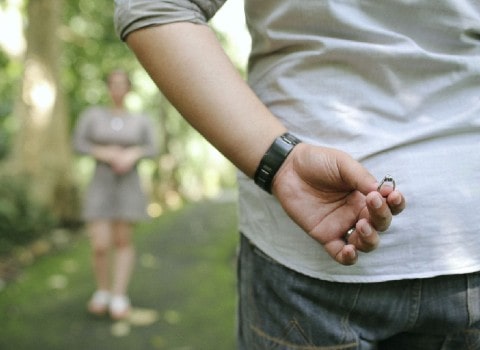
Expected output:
{"points": [[41, 150], [71, 46]]}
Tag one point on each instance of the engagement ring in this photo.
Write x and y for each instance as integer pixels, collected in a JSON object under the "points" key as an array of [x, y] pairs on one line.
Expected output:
{"points": [[386, 178]]}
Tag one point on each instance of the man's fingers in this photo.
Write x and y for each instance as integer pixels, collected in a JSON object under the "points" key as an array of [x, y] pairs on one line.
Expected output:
{"points": [[380, 214], [356, 175], [347, 255], [396, 202], [343, 253], [365, 238]]}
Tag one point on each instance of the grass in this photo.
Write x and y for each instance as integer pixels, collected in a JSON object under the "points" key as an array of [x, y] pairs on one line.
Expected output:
{"points": [[183, 290]]}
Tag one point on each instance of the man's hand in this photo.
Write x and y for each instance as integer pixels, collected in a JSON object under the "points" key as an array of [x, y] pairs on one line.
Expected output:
{"points": [[326, 192]]}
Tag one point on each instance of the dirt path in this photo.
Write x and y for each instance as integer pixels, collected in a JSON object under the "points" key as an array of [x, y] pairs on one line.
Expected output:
{"points": [[183, 291]]}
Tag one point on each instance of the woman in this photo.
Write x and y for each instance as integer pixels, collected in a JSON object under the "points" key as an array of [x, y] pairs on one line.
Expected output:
{"points": [[117, 140]]}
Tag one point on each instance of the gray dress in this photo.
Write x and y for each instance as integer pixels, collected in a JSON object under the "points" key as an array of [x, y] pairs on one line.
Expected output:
{"points": [[109, 195]]}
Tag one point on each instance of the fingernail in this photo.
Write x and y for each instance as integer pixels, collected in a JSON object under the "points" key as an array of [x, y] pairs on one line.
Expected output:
{"points": [[377, 202], [366, 230], [397, 200]]}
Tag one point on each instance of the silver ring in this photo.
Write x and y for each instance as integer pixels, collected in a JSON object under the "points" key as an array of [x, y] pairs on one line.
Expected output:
{"points": [[387, 178], [348, 234]]}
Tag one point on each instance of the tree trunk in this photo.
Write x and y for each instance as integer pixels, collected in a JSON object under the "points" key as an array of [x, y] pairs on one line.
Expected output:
{"points": [[42, 150]]}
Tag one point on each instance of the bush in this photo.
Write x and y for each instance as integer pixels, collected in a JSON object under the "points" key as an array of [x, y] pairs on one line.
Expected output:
{"points": [[22, 219]]}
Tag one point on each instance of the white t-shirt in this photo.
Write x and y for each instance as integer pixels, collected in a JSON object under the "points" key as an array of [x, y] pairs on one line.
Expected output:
{"points": [[396, 84]]}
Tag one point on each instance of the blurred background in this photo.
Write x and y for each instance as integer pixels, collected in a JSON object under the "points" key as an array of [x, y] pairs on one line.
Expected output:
{"points": [[54, 56]]}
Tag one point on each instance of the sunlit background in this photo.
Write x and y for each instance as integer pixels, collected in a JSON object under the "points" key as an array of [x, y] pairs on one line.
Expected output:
{"points": [[231, 21], [54, 55], [11, 28], [205, 174]]}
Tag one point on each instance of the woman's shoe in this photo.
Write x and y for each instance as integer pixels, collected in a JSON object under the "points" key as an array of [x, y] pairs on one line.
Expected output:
{"points": [[99, 302], [119, 307]]}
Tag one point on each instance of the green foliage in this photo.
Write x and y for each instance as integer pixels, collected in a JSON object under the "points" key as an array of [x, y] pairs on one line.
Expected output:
{"points": [[21, 218], [10, 72], [91, 49], [185, 275]]}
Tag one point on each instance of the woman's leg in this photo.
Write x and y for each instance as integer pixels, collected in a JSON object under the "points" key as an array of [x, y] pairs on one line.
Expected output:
{"points": [[122, 269], [124, 257], [100, 238]]}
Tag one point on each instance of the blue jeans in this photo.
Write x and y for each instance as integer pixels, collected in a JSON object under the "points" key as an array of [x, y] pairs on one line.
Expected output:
{"points": [[280, 309]]}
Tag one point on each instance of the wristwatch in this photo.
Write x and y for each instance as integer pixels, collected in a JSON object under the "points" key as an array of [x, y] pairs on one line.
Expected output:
{"points": [[273, 160]]}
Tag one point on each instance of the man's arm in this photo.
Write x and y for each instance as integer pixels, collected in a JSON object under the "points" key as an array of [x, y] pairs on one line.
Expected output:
{"points": [[324, 191]]}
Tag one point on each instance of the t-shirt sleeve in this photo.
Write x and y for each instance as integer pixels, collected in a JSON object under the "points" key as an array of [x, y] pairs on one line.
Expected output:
{"points": [[131, 15]]}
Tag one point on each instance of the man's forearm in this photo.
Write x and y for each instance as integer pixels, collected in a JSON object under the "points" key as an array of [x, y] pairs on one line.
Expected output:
{"points": [[188, 64]]}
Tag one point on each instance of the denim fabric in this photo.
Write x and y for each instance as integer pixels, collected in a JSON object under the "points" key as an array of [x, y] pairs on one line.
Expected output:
{"points": [[280, 309]]}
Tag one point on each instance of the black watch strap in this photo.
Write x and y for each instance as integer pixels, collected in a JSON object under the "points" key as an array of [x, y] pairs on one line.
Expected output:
{"points": [[273, 160]]}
